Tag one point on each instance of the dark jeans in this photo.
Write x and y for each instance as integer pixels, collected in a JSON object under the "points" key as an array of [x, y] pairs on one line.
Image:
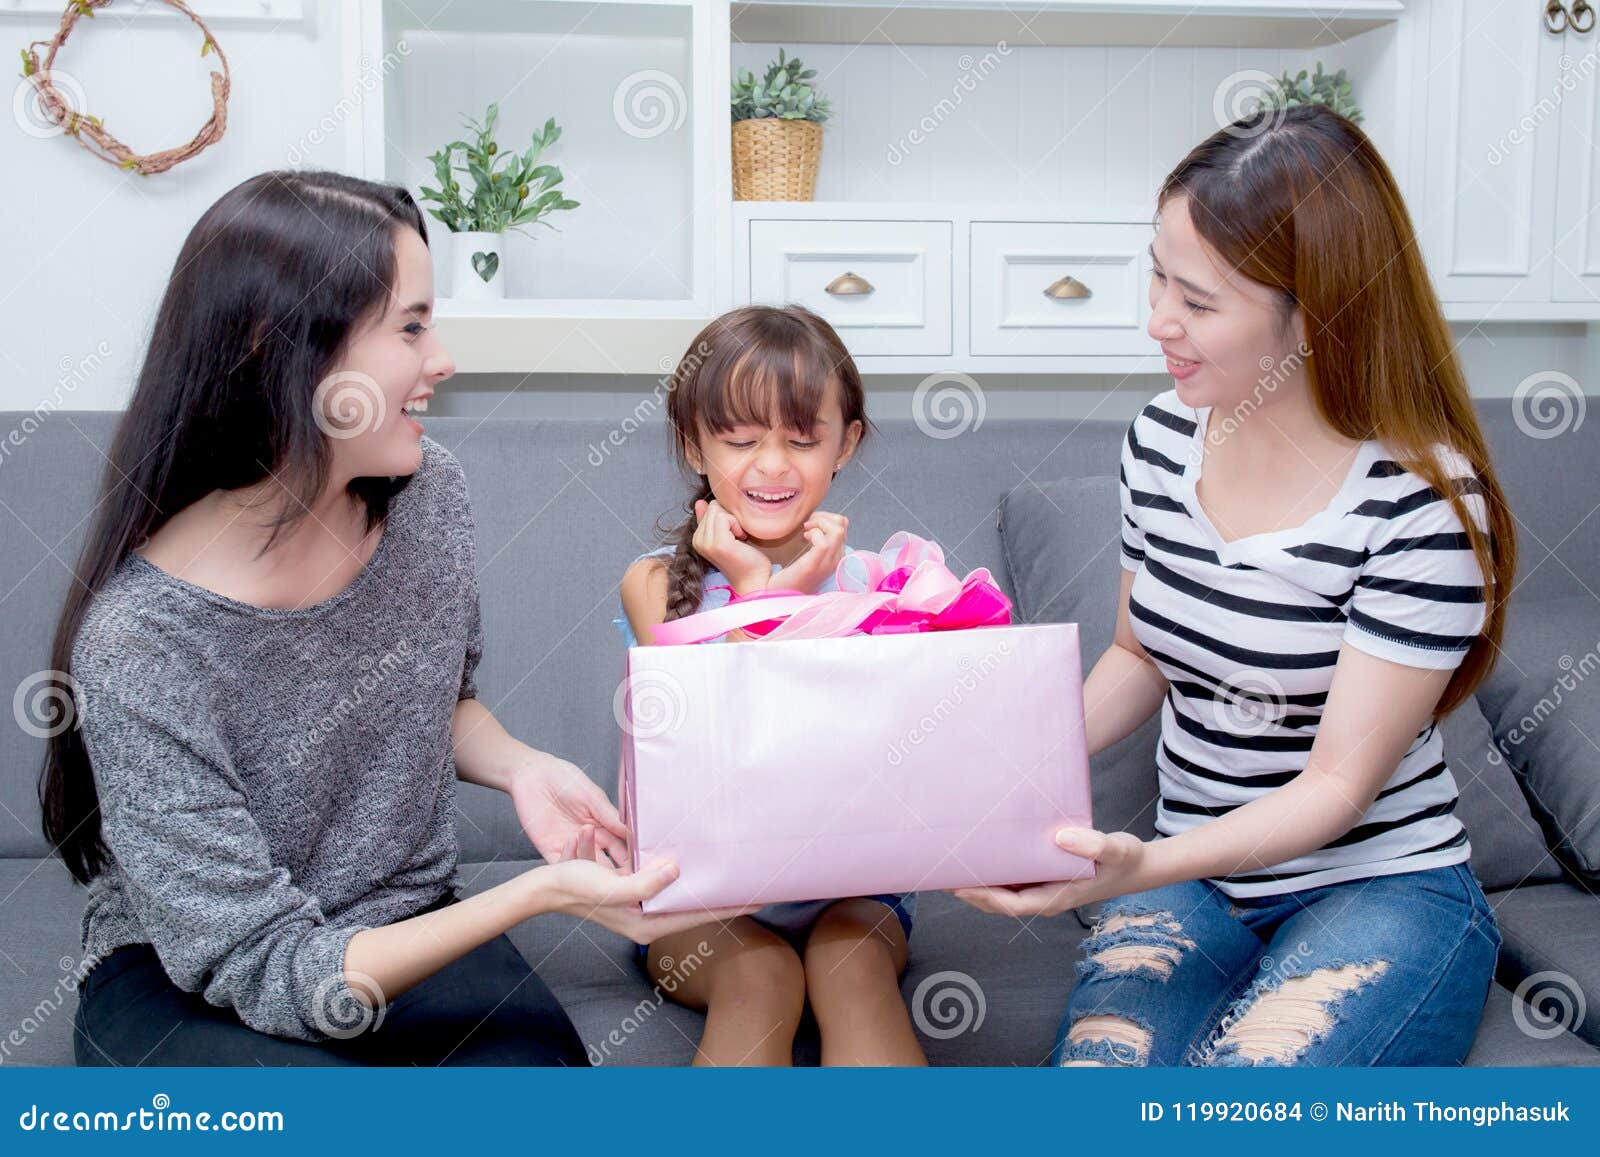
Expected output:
{"points": [[486, 1008]]}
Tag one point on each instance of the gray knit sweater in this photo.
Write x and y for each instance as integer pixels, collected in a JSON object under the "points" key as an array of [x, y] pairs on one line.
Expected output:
{"points": [[273, 781]]}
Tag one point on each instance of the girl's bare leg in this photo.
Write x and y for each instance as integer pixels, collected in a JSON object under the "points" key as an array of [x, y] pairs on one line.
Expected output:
{"points": [[746, 979], [853, 962]]}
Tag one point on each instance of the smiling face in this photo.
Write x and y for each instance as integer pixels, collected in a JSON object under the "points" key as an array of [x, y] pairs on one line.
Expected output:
{"points": [[390, 365], [771, 477], [1224, 336]]}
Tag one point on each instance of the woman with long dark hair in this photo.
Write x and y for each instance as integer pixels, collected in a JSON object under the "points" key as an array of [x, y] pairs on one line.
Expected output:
{"points": [[272, 645], [1317, 558]]}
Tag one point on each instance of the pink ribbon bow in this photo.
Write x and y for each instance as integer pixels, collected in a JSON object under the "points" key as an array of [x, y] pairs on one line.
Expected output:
{"points": [[902, 588]]}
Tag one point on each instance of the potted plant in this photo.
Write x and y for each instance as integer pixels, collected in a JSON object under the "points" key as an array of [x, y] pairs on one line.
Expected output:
{"points": [[509, 191], [1331, 89], [777, 132]]}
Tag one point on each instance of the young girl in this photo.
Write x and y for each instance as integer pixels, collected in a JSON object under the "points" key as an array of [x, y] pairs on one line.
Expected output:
{"points": [[1316, 561], [766, 408]]}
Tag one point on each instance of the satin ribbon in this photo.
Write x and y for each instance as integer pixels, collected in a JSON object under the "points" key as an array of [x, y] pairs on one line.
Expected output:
{"points": [[905, 587]]}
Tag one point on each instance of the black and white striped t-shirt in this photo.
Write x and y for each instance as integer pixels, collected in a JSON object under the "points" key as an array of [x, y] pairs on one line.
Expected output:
{"points": [[1247, 633]]}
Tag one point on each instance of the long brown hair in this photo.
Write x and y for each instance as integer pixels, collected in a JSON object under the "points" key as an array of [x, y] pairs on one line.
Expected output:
{"points": [[757, 364], [1299, 200], [271, 282]]}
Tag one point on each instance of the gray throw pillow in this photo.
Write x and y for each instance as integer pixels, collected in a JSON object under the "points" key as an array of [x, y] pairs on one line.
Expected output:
{"points": [[1543, 700]]}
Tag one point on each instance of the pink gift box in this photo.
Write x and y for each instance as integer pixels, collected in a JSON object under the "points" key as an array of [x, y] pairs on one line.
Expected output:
{"points": [[815, 768]]}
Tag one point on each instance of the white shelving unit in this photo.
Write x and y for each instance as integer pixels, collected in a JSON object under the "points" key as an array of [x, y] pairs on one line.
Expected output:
{"points": [[981, 151], [636, 86]]}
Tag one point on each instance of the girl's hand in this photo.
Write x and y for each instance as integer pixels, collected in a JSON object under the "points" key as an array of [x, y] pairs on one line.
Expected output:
{"points": [[555, 800], [1119, 858], [826, 534], [719, 539], [582, 885]]}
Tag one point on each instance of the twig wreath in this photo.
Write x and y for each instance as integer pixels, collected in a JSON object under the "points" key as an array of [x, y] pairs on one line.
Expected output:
{"points": [[88, 130]]}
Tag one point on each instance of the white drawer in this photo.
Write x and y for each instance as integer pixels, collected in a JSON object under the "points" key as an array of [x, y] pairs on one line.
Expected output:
{"points": [[901, 279], [1014, 265]]}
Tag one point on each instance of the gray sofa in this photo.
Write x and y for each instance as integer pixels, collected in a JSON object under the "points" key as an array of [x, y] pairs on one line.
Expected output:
{"points": [[561, 508]]}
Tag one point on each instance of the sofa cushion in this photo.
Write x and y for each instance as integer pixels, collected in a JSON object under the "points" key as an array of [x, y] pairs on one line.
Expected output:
{"points": [[1552, 951], [1061, 542], [1005, 980], [1508, 848], [1021, 969], [1504, 1042], [1543, 701]]}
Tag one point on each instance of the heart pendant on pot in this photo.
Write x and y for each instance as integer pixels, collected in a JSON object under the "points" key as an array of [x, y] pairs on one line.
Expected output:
{"points": [[475, 273]]}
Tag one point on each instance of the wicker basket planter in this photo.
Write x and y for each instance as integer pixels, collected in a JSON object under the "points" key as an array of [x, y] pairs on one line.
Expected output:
{"points": [[775, 159]]}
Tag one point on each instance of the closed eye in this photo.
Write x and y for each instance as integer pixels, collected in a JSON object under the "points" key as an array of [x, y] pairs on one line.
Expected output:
{"points": [[414, 329], [1194, 305]]}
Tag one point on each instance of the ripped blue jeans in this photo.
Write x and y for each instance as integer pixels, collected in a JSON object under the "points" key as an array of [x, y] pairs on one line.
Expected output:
{"points": [[1391, 970]]}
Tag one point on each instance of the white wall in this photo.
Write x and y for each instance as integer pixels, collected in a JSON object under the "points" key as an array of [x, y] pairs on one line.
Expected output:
{"points": [[89, 246]]}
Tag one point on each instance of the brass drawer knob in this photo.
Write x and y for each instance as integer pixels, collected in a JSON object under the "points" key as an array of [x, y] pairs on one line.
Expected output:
{"points": [[1067, 289], [849, 285]]}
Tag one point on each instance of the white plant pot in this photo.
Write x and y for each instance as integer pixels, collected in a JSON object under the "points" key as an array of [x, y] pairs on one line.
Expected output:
{"points": [[477, 267]]}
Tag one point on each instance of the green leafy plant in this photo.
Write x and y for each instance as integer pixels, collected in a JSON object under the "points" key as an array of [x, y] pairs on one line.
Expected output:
{"points": [[785, 92], [1330, 89], [509, 190]]}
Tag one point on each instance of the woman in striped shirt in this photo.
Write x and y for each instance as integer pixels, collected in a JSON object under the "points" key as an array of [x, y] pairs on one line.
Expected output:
{"points": [[1316, 560]]}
